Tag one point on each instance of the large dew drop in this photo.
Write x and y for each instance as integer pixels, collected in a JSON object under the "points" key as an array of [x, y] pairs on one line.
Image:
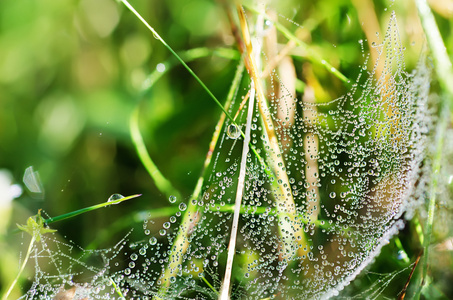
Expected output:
{"points": [[115, 197], [233, 131]]}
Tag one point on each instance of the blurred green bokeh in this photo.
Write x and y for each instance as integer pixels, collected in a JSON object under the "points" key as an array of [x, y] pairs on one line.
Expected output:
{"points": [[71, 74]]}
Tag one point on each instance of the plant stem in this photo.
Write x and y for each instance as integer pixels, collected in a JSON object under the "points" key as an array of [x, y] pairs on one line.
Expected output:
{"points": [[162, 183], [442, 63], [158, 37], [22, 267], [289, 226], [118, 291], [87, 209], [225, 290], [191, 216], [444, 72], [440, 135]]}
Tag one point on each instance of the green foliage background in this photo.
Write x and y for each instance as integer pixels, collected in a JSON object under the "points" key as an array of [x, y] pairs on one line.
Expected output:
{"points": [[70, 77]]}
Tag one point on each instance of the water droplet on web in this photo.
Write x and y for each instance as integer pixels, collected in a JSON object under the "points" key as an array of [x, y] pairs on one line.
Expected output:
{"points": [[233, 131], [153, 240], [162, 232], [172, 199], [115, 197], [182, 206], [134, 256]]}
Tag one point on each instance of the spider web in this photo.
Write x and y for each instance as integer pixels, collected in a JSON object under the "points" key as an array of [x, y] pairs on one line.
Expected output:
{"points": [[314, 213]]}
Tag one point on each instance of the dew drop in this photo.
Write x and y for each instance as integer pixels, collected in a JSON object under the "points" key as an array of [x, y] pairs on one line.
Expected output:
{"points": [[182, 206], [153, 241], [233, 131], [332, 195], [115, 197], [162, 232], [267, 25], [142, 251], [172, 199], [160, 67]]}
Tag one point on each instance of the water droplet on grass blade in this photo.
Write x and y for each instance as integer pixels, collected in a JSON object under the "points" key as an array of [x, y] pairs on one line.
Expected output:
{"points": [[115, 197], [233, 131], [160, 67]]}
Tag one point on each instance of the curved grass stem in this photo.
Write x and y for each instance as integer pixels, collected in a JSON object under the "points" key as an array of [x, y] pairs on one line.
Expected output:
{"points": [[162, 183], [22, 267]]}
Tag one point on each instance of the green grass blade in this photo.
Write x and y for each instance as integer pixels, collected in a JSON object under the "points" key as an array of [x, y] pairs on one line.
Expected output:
{"points": [[162, 183], [118, 291], [442, 63], [158, 37], [87, 209], [444, 72], [180, 242], [188, 56]]}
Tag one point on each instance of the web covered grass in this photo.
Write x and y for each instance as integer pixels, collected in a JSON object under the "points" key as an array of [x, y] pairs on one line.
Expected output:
{"points": [[369, 133]]}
